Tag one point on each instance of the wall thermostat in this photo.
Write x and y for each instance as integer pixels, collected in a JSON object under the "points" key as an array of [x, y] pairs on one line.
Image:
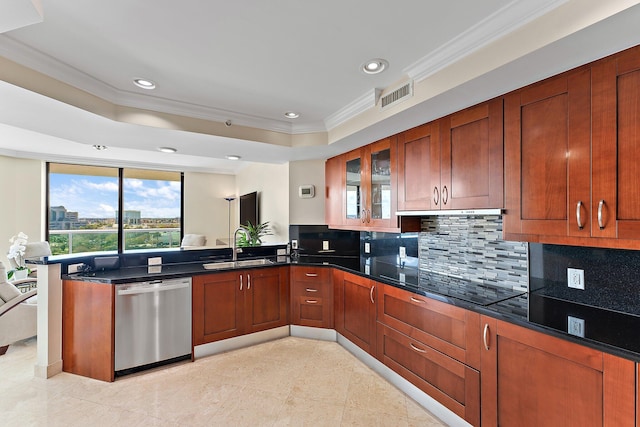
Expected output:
{"points": [[306, 191]]}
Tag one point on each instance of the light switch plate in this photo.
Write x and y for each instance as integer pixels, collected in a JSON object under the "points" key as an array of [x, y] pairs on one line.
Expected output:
{"points": [[325, 245], [575, 326], [403, 252], [367, 247]]}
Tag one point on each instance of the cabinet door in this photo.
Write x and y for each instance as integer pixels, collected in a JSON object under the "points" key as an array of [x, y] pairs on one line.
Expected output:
{"points": [[472, 158], [353, 204], [334, 175], [530, 378], [380, 184], [548, 157], [266, 293], [355, 316], [218, 307], [616, 147], [419, 168]]}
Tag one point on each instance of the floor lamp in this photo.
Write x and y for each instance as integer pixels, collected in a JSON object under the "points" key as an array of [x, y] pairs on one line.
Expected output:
{"points": [[230, 199]]}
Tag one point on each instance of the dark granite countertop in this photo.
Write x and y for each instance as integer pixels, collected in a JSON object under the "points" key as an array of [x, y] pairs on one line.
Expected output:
{"points": [[545, 309]]}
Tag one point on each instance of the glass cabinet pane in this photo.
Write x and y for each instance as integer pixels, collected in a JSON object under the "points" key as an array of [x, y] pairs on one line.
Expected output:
{"points": [[381, 184], [354, 183]]}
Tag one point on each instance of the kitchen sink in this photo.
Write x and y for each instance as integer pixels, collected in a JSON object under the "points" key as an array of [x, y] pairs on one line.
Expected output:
{"points": [[236, 264]]}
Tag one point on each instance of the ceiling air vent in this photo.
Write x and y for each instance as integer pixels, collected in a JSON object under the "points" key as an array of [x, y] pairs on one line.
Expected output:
{"points": [[396, 96]]}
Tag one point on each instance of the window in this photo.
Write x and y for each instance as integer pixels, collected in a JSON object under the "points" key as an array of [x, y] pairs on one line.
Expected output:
{"points": [[84, 204]]}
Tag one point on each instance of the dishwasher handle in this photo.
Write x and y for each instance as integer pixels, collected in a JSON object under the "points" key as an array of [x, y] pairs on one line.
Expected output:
{"points": [[150, 289]]}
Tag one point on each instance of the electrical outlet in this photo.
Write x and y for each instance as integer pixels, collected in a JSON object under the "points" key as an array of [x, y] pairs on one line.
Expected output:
{"points": [[74, 268], [575, 278], [325, 245], [402, 277], [294, 244], [575, 326], [154, 260], [403, 252], [367, 247]]}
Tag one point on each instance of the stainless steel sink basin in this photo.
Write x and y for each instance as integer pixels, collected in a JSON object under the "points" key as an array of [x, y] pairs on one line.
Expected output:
{"points": [[225, 265]]}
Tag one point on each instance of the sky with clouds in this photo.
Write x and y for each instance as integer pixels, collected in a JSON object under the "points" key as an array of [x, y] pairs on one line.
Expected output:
{"points": [[97, 196]]}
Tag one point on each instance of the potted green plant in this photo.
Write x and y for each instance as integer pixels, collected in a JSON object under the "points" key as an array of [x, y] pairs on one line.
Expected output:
{"points": [[253, 234]]}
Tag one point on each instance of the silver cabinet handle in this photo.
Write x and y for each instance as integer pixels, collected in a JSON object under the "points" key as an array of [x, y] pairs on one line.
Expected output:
{"points": [[445, 195], [600, 206], [419, 301], [579, 215], [311, 301], [419, 350], [485, 336], [248, 281], [311, 290], [436, 196], [241, 282], [371, 294], [312, 274]]}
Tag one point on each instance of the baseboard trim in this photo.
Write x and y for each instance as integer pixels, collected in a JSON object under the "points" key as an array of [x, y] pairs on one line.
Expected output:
{"points": [[314, 333], [48, 371], [240, 342], [422, 398]]}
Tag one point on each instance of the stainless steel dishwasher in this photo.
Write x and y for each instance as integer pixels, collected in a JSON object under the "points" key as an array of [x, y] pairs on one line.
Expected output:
{"points": [[153, 322]]}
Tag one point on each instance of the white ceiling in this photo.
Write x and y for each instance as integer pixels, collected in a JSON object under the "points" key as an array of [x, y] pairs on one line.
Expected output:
{"points": [[250, 61]]}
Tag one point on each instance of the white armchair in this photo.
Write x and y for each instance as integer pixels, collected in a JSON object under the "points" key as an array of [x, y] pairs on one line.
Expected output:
{"points": [[18, 311]]}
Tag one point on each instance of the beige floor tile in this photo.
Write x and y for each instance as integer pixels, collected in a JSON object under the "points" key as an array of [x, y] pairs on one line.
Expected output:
{"points": [[287, 382]]}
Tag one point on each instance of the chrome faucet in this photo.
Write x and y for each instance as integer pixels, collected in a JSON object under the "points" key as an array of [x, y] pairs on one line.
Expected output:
{"points": [[234, 254]]}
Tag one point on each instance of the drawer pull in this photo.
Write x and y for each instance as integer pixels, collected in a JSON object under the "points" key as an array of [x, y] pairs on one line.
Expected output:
{"points": [[311, 290], [248, 281], [419, 350], [419, 301], [371, 294], [312, 274], [485, 336], [241, 282], [579, 215], [600, 206], [311, 301]]}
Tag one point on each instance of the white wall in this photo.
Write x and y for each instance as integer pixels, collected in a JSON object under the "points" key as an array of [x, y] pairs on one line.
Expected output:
{"points": [[306, 211], [205, 209], [22, 195], [272, 184]]}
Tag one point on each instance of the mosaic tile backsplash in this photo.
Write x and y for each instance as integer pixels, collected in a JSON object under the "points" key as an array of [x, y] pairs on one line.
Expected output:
{"points": [[471, 248]]}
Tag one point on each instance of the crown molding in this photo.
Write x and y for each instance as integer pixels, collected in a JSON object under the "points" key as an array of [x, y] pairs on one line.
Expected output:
{"points": [[509, 18], [354, 108], [38, 61]]}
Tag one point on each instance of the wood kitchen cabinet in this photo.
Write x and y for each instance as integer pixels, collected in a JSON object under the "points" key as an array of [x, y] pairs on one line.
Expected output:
{"points": [[453, 163], [355, 309], [530, 378], [88, 329], [433, 345], [233, 303], [419, 167], [367, 188], [311, 296], [548, 158], [615, 202]]}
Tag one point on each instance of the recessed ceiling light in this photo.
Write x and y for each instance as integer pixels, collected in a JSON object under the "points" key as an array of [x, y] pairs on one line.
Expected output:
{"points": [[100, 147], [291, 115], [167, 149], [375, 66], [144, 84], [233, 157]]}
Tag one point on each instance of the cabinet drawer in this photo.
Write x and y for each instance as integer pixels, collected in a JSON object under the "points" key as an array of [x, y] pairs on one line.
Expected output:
{"points": [[311, 274], [448, 381], [309, 289], [449, 329], [311, 311]]}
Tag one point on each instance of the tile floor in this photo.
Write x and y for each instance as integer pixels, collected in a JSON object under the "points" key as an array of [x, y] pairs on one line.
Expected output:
{"points": [[288, 382]]}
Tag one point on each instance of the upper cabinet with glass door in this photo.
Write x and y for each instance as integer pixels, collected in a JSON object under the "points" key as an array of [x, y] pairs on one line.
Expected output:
{"points": [[368, 188]]}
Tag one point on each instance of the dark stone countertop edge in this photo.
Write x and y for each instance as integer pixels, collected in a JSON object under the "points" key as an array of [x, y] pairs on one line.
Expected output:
{"points": [[497, 310]]}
